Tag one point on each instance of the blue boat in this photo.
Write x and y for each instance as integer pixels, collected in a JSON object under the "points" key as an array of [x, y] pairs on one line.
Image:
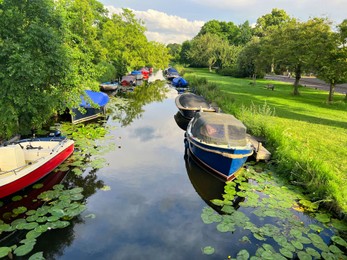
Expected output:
{"points": [[89, 111], [219, 142], [179, 82], [171, 73]]}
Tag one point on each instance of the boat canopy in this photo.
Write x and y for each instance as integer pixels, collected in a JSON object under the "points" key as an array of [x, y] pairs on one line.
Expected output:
{"points": [[219, 129], [190, 100], [99, 98], [171, 70], [179, 82]]}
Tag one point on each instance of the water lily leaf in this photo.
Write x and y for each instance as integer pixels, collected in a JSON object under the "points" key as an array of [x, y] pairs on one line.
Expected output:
{"points": [[58, 187], [269, 247], [90, 216], [267, 255], [315, 228], [27, 226], [304, 240], [259, 237], [76, 190], [41, 219], [76, 196], [328, 256], [60, 224], [225, 227], [37, 256], [41, 228], [17, 198], [53, 218], [287, 253], [302, 255], [312, 252], [30, 212], [295, 233], [324, 218], [106, 188], [38, 186], [335, 250], [28, 241], [56, 211], [4, 251], [297, 244], [6, 228], [280, 239], [242, 255], [19, 210], [208, 250], [33, 234], [17, 222], [245, 239], [339, 240], [23, 249], [228, 209], [339, 225]]}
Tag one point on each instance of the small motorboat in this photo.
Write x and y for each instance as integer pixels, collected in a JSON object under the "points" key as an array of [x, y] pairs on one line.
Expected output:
{"points": [[171, 73], [109, 86], [190, 103], [219, 141], [128, 80], [179, 82], [89, 111], [27, 161]]}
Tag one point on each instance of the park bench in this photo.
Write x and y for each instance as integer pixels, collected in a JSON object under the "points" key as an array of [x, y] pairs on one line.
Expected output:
{"points": [[270, 86]]}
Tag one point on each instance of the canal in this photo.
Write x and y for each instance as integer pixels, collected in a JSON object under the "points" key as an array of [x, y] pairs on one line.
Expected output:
{"points": [[151, 200]]}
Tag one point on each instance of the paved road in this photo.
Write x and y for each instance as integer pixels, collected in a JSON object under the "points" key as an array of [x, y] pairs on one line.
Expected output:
{"points": [[310, 82]]}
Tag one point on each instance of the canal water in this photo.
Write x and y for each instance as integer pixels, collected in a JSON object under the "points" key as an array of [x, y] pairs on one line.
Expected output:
{"points": [[152, 209], [147, 200]]}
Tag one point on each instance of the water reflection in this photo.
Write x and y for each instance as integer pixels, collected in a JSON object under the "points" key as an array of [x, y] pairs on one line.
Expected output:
{"points": [[181, 121], [129, 106]]}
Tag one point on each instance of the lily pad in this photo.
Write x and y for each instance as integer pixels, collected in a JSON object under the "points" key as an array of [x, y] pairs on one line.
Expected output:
{"points": [[23, 249], [242, 255], [208, 250], [37, 256]]}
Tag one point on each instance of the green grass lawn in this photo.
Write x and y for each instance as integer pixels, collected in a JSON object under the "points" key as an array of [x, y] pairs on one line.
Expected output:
{"points": [[306, 135]]}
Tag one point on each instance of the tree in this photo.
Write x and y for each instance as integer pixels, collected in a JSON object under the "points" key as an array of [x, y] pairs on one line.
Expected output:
{"points": [[224, 30], [272, 21], [297, 45], [332, 65], [34, 62], [174, 51], [206, 49]]}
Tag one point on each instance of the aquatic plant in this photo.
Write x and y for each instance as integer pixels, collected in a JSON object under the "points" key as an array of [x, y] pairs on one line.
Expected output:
{"points": [[281, 231]]}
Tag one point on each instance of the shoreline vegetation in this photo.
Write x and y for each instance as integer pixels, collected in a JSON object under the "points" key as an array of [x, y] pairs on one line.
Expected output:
{"points": [[306, 134]]}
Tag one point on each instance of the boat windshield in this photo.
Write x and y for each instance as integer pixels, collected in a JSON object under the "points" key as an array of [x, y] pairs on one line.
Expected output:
{"points": [[219, 129]]}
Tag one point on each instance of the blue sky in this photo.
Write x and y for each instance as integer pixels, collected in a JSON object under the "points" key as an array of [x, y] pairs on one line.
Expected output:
{"points": [[180, 20]]}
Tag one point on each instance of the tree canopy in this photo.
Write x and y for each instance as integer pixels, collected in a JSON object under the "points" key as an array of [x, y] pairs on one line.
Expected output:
{"points": [[51, 51]]}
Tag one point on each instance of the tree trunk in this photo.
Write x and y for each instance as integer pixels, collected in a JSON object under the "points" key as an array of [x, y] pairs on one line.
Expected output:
{"points": [[297, 80], [331, 92], [209, 67]]}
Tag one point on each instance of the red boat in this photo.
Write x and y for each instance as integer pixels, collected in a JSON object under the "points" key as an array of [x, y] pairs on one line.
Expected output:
{"points": [[26, 162], [145, 73]]}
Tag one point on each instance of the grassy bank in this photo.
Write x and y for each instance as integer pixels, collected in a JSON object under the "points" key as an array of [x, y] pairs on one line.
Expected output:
{"points": [[306, 135]]}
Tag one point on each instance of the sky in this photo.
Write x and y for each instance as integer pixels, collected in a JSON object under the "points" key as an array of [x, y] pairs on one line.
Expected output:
{"points": [[179, 20]]}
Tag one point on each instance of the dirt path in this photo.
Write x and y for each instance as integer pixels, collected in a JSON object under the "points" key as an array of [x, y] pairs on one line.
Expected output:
{"points": [[310, 82]]}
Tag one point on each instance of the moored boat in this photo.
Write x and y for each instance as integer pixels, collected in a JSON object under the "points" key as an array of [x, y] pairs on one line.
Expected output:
{"points": [[179, 82], [89, 111], [219, 141], [190, 103], [109, 86], [27, 161], [171, 73]]}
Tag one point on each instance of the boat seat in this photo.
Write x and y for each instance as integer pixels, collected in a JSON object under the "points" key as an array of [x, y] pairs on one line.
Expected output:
{"points": [[11, 157], [35, 154]]}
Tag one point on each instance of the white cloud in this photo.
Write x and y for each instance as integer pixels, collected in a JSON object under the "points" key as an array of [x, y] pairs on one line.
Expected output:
{"points": [[165, 28]]}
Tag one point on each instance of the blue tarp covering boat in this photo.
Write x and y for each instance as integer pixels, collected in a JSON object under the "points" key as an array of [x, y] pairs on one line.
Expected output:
{"points": [[99, 98], [179, 82], [90, 112]]}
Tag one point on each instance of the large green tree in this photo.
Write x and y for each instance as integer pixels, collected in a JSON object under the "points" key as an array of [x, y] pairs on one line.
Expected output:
{"points": [[297, 45], [34, 62]]}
